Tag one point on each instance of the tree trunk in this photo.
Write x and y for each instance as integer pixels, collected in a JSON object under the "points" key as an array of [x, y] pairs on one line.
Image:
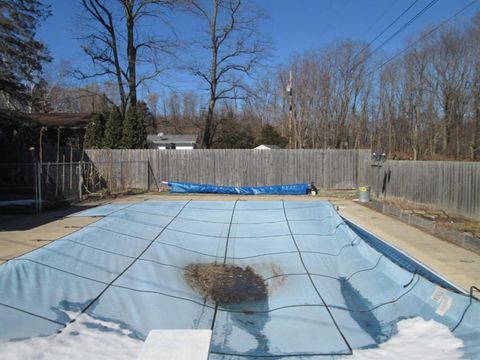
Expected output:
{"points": [[131, 52], [207, 133]]}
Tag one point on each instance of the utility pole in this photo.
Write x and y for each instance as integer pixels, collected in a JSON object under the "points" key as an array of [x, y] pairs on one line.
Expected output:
{"points": [[291, 144]]}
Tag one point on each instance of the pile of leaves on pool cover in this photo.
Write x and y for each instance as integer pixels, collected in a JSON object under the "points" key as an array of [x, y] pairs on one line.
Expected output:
{"points": [[226, 283]]}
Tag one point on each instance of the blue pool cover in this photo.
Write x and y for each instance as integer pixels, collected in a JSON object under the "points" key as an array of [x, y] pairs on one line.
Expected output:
{"points": [[332, 287], [292, 189]]}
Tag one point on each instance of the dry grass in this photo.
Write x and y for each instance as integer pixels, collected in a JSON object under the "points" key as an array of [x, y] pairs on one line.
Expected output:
{"points": [[447, 219], [225, 283]]}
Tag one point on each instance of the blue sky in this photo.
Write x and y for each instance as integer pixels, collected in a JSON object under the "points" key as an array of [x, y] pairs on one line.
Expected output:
{"points": [[294, 25]]}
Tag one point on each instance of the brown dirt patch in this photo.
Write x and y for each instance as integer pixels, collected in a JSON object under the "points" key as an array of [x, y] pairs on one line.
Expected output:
{"points": [[226, 283], [429, 212]]}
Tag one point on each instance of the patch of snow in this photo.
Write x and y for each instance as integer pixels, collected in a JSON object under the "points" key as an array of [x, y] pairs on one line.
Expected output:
{"points": [[416, 339], [93, 339], [86, 338]]}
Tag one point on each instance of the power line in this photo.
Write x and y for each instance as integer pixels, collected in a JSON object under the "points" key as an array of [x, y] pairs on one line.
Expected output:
{"points": [[379, 19], [420, 13], [388, 27], [403, 27], [427, 34]]}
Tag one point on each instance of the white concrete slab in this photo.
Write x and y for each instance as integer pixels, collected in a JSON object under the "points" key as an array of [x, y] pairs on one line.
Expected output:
{"points": [[177, 345]]}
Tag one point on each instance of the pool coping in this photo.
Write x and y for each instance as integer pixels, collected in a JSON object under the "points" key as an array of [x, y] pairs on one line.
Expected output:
{"points": [[424, 269]]}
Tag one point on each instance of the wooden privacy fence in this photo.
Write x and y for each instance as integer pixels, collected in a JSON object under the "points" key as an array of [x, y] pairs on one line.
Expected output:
{"points": [[328, 169], [448, 185], [452, 186]]}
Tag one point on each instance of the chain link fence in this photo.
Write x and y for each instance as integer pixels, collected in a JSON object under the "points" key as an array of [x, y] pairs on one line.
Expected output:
{"points": [[34, 187]]}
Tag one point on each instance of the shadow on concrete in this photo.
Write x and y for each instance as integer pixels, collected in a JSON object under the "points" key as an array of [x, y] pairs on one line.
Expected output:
{"points": [[17, 222]]}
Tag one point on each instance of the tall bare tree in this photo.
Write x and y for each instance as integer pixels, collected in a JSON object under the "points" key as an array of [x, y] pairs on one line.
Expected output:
{"points": [[118, 47], [235, 47]]}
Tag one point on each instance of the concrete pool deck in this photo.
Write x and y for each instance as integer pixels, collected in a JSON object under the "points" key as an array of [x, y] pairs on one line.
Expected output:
{"points": [[23, 233]]}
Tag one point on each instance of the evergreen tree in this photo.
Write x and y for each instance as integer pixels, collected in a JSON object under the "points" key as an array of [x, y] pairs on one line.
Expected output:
{"points": [[147, 117], [21, 55], [133, 135], [232, 134], [113, 130], [94, 132], [270, 136]]}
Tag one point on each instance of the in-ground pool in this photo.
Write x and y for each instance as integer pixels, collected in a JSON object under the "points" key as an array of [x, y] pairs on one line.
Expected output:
{"points": [[333, 288]]}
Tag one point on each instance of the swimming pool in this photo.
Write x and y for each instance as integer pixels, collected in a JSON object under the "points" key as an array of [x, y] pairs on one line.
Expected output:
{"points": [[333, 287]]}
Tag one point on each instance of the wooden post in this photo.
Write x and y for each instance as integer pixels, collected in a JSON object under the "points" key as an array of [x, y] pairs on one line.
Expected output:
{"points": [[40, 150], [39, 178], [291, 144], [71, 169], [148, 175], [58, 162], [63, 175], [80, 181], [35, 183]]}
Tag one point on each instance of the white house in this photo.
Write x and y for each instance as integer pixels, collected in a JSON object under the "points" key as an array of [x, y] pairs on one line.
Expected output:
{"points": [[174, 142], [267, 147]]}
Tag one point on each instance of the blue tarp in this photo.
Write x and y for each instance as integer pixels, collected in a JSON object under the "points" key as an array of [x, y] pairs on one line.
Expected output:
{"points": [[330, 290], [292, 189]]}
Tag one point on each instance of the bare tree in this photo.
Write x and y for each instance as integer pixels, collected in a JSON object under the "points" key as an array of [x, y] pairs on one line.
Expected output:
{"points": [[119, 49], [235, 47]]}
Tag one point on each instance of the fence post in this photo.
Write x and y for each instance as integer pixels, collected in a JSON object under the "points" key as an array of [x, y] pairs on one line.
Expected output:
{"points": [[148, 175], [63, 176], [121, 175], [39, 186], [35, 184], [80, 181]]}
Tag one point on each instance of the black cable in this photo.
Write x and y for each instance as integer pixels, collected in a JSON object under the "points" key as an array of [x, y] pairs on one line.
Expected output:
{"points": [[105, 215], [260, 209], [32, 314], [117, 232], [62, 270], [363, 270], [224, 261], [387, 28], [425, 35], [234, 223], [123, 255], [403, 27], [216, 236], [253, 312], [243, 311], [97, 248], [313, 283], [381, 304], [466, 309], [385, 12], [408, 283], [215, 256], [243, 237], [329, 276], [136, 221], [127, 267]]}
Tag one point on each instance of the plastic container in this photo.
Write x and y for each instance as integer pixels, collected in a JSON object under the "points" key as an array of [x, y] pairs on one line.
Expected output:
{"points": [[364, 194]]}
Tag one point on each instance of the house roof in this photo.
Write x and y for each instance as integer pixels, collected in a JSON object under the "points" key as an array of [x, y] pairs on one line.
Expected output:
{"points": [[62, 119], [165, 139], [266, 146]]}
